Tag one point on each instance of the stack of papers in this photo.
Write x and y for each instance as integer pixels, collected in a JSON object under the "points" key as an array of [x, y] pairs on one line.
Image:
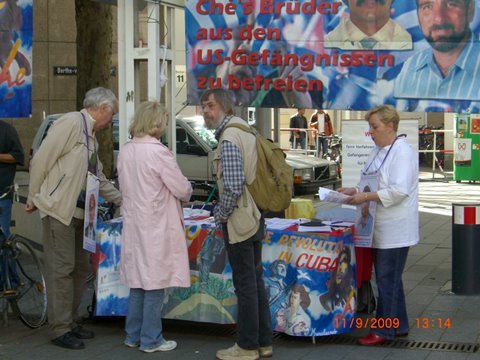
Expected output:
{"points": [[338, 223], [197, 217], [314, 226], [209, 222], [280, 224], [189, 213]]}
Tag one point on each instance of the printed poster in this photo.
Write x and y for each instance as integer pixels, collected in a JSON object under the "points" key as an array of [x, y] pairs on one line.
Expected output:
{"points": [[112, 296], [310, 280], [463, 151], [16, 37], [330, 54], [365, 219], [90, 213], [357, 145], [475, 125]]}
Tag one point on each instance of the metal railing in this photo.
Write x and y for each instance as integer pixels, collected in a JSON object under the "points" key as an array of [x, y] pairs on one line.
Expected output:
{"points": [[305, 151], [434, 151], [309, 134]]}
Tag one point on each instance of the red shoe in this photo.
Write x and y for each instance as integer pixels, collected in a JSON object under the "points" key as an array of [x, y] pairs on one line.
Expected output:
{"points": [[371, 339]]}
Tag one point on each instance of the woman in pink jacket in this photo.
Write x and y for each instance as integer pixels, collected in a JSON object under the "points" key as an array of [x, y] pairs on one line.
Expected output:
{"points": [[154, 250]]}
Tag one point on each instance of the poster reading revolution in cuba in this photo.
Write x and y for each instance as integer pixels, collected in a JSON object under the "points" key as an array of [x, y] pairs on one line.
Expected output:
{"points": [[310, 280], [417, 55], [16, 28]]}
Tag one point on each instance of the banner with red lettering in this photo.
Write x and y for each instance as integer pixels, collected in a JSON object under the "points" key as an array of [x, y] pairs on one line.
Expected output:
{"points": [[16, 36], [347, 55]]}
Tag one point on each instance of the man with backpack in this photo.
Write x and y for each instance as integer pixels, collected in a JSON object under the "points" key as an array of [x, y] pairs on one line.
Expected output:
{"points": [[235, 166]]}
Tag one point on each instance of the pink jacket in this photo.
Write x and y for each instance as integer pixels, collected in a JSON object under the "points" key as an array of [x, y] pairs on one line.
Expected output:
{"points": [[154, 250]]}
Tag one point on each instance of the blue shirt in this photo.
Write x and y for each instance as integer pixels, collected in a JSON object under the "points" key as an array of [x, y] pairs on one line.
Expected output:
{"points": [[233, 176], [421, 78]]}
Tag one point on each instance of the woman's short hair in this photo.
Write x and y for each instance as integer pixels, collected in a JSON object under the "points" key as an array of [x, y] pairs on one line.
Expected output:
{"points": [[222, 97], [150, 118], [96, 97], [386, 114]]}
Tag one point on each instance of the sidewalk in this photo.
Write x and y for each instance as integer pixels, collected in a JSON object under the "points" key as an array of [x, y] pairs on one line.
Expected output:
{"points": [[427, 286]]}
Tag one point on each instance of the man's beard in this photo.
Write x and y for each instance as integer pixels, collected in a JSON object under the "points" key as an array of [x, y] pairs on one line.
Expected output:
{"points": [[215, 123], [447, 43]]}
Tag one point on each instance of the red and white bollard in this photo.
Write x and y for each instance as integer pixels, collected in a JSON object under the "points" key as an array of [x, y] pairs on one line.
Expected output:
{"points": [[466, 249]]}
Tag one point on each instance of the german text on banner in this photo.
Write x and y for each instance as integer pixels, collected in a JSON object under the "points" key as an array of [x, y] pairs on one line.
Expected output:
{"points": [[336, 54]]}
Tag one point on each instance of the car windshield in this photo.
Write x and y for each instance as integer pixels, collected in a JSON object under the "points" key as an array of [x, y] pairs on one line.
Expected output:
{"points": [[207, 135]]}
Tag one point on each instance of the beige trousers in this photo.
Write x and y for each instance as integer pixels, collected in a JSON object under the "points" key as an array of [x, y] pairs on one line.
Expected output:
{"points": [[66, 268]]}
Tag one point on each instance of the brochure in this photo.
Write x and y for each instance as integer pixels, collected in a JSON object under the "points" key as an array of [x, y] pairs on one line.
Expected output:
{"points": [[332, 196]]}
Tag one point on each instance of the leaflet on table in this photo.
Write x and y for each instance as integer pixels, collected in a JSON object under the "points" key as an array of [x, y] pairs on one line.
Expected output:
{"points": [[198, 217], [209, 222], [332, 196], [189, 213], [338, 223], [281, 224]]}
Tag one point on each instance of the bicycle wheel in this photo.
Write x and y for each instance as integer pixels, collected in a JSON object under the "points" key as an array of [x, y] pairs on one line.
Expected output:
{"points": [[30, 303]]}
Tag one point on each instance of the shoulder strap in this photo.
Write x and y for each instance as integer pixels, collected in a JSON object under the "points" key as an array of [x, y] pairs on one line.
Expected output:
{"points": [[241, 127]]}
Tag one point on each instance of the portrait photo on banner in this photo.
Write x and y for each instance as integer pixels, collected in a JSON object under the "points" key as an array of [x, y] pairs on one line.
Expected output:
{"points": [[344, 54]]}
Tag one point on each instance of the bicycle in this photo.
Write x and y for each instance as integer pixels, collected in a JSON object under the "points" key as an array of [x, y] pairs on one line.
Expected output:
{"points": [[334, 152], [22, 284]]}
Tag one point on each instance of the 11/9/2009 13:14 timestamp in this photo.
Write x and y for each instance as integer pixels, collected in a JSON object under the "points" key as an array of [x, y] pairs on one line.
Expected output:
{"points": [[391, 323], [433, 323]]}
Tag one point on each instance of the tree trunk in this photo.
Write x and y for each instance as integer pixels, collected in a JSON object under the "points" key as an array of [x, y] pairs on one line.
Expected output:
{"points": [[94, 49]]}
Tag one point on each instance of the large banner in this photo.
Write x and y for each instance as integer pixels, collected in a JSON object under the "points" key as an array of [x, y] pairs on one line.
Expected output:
{"points": [[16, 29], [348, 55], [310, 280]]}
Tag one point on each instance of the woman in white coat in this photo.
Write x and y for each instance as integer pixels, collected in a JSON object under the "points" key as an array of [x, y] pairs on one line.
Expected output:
{"points": [[393, 164], [154, 250]]}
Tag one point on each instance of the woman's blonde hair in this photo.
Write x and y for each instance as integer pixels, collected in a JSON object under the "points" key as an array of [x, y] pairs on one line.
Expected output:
{"points": [[150, 118], [386, 114]]}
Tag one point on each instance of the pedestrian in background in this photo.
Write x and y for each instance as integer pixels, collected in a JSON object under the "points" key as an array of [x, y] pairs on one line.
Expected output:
{"points": [[321, 121], [154, 253], [298, 137], [11, 155], [235, 163], [58, 177]]}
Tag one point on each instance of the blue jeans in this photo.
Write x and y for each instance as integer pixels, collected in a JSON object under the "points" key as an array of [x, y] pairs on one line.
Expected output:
{"points": [[299, 141], [254, 325], [144, 320], [389, 265], [323, 144], [5, 216]]}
